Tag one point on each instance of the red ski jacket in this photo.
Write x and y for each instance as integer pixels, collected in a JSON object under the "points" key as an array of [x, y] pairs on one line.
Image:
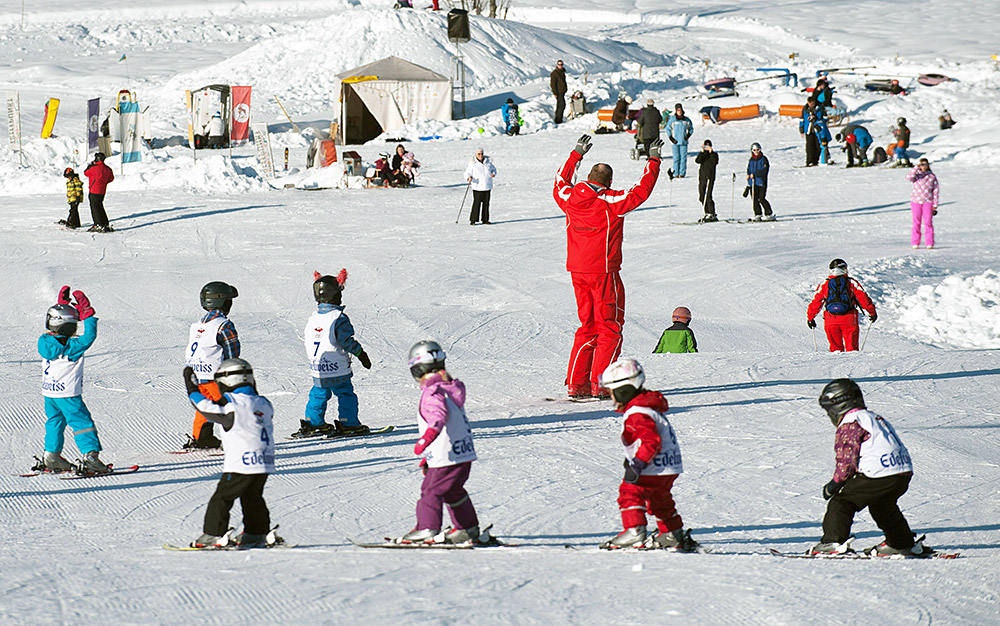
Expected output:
{"points": [[641, 427], [99, 175], [595, 216], [860, 297]]}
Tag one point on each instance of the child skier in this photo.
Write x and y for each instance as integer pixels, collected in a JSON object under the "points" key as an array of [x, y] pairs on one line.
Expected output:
{"points": [[678, 338], [840, 296], [62, 384], [248, 436], [210, 342], [707, 161], [446, 443], [74, 196], [329, 339], [873, 470], [923, 202], [653, 462]]}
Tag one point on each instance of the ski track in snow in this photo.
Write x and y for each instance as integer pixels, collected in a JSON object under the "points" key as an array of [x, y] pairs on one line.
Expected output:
{"points": [[757, 449]]}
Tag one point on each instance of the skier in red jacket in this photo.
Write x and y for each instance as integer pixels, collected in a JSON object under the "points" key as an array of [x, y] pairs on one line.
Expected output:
{"points": [[98, 175], [840, 296], [595, 215]]}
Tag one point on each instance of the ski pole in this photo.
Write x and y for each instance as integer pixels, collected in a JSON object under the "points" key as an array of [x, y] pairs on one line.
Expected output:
{"points": [[815, 346], [862, 348], [461, 208], [753, 194], [732, 205]]}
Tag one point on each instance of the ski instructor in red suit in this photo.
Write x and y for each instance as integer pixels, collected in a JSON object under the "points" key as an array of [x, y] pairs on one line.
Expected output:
{"points": [[595, 215]]}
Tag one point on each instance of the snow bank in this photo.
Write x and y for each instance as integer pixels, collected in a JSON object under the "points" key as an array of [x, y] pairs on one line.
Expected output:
{"points": [[962, 312]]}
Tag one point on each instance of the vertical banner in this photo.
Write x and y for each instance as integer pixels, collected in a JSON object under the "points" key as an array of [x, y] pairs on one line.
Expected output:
{"points": [[128, 115], [93, 123], [263, 143], [14, 120], [240, 115], [51, 109]]}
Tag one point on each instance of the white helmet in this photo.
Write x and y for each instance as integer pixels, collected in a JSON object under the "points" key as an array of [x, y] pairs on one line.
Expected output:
{"points": [[623, 372], [62, 319], [234, 373], [425, 357]]}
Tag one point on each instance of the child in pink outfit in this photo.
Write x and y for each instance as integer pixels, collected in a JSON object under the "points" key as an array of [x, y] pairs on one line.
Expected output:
{"points": [[923, 202]]}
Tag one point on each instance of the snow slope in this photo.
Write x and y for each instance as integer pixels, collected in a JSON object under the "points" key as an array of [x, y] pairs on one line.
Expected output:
{"points": [[757, 448]]}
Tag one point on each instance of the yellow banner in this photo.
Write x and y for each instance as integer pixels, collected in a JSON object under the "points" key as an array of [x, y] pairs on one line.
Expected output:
{"points": [[187, 102], [51, 108]]}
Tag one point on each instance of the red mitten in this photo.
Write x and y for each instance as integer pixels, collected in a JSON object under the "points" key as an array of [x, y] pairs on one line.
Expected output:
{"points": [[429, 436], [63, 295], [83, 305], [342, 277], [316, 276]]}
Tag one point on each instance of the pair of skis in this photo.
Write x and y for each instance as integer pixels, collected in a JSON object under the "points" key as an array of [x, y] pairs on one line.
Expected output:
{"points": [[335, 435], [845, 551], [76, 472]]}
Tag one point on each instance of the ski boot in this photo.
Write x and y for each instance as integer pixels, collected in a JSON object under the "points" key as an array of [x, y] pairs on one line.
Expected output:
{"points": [[247, 540], [770, 217], [679, 540], [214, 541], [54, 462], [628, 538], [708, 217], [207, 442], [419, 535], [347, 430], [917, 550], [306, 429], [92, 464], [756, 218], [462, 535], [832, 547]]}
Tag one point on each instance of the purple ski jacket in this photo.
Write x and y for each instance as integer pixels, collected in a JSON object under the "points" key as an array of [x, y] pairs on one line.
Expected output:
{"points": [[433, 408]]}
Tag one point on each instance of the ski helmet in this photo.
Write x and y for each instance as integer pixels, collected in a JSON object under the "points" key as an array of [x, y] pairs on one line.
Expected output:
{"points": [[754, 146], [100, 156], [218, 295], [233, 373], [851, 138], [840, 396], [901, 121], [623, 379], [68, 172], [682, 314], [327, 289], [838, 264], [62, 319], [425, 357]]}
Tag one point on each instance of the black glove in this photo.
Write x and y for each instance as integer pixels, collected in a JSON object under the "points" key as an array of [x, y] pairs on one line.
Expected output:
{"points": [[654, 148], [632, 470], [363, 357], [831, 488], [811, 323], [190, 381], [687, 136], [582, 145], [934, 212], [423, 466], [873, 317], [746, 192], [672, 140]]}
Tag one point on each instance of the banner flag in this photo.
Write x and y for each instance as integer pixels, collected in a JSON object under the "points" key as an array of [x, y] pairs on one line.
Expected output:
{"points": [[51, 109], [128, 115], [14, 120], [240, 116], [93, 123], [262, 141]]}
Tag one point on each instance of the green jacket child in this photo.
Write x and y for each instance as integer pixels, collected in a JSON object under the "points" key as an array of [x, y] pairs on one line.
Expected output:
{"points": [[678, 339]]}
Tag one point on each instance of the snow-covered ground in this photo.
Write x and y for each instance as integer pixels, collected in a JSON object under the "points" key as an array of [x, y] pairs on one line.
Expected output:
{"points": [[756, 446]]}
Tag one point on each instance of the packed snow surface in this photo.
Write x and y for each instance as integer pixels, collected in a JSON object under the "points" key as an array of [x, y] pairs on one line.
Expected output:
{"points": [[757, 448]]}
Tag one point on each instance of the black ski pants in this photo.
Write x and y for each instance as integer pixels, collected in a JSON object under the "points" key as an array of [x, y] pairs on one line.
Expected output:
{"points": [[480, 206], [74, 214], [97, 209], [760, 202], [249, 488], [560, 108], [705, 187], [880, 496], [854, 152], [812, 149]]}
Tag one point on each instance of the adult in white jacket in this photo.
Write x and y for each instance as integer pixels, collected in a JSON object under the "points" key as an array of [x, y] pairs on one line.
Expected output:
{"points": [[480, 174]]}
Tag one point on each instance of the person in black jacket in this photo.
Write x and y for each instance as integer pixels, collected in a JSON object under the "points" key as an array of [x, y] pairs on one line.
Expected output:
{"points": [[649, 125], [557, 83], [707, 161]]}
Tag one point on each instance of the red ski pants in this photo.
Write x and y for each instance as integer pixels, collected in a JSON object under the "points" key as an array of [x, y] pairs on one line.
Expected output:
{"points": [[650, 495], [600, 304], [842, 331]]}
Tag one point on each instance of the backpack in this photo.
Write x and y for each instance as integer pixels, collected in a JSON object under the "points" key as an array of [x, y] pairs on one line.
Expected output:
{"points": [[839, 299]]}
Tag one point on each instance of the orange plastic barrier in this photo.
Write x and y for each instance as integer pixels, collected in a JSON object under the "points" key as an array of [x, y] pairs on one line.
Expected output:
{"points": [[790, 110], [739, 113], [604, 115]]}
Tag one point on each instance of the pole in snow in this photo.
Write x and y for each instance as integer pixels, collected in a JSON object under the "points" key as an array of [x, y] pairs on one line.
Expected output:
{"points": [[461, 208]]}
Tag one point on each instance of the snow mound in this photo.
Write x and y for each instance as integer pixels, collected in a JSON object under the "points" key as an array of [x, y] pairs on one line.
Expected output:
{"points": [[962, 312]]}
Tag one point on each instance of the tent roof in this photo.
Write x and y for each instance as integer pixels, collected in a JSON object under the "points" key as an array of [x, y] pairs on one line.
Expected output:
{"points": [[394, 68]]}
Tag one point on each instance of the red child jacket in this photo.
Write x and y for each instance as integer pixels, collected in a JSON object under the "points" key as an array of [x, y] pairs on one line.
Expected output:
{"points": [[859, 294], [641, 427]]}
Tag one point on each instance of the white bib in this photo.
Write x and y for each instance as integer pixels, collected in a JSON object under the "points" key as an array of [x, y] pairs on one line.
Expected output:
{"points": [[883, 454], [249, 444], [327, 359], [454, 444], [668, 460], [204, 354], [62, 378]]}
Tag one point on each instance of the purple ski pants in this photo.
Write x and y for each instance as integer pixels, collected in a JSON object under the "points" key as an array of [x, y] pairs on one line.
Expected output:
{"points": [[445, 485]]}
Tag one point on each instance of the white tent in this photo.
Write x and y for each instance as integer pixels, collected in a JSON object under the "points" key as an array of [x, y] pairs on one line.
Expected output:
{"points": [[384, 95]]}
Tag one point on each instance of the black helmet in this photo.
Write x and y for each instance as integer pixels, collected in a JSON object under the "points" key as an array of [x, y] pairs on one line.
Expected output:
{"points": [[218, 295], [68, 172], [100, 156], [327, 289], [840, 396], [838, 263], [425, 357], [901, 121]]}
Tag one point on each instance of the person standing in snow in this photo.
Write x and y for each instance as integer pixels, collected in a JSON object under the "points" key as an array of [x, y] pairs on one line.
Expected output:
{"points": [[679, 130], [815, 131], [823, 92], [649, 126], [511, 118], [329, 340], [247, 421], [873, 471], [840, 296], [898, 149], [445, 442], [62, 383], [707, 160], [757, 169], [620, 114], [98, 176], [480, 174], [74, 196], [678, 338], [652, 463], [557, 83], [595, 219], [923, 202]]}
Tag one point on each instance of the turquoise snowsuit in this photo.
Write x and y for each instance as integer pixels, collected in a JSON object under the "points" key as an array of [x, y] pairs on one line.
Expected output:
{"points": [[69, 411]]}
